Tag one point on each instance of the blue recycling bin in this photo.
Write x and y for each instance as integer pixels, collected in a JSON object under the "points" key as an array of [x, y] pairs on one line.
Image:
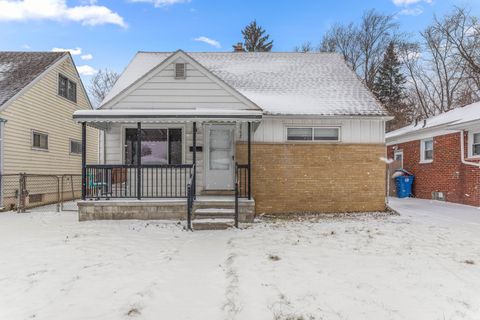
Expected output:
{"points": [[404, 186]]}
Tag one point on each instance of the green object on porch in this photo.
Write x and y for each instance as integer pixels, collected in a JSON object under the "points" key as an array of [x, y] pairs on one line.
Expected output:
{"points": [[92, 183]]}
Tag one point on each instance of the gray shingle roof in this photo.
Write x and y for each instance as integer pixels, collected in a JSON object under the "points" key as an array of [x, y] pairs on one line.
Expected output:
{"points": [[18, 69], [279, 83]]}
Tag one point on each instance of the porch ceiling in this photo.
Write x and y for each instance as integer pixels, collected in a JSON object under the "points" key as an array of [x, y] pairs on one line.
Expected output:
{"points": [[101, 118]]}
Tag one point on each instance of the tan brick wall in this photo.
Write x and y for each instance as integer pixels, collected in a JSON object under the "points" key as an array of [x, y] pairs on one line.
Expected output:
{"points": [[314, 178]]}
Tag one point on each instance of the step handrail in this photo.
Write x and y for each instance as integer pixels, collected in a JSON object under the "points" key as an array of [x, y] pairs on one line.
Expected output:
{"points": [[190, 197], [236, 195]]}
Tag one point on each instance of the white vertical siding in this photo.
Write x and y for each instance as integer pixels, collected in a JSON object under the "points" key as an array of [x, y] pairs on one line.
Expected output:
{"points": [[352, 130]]}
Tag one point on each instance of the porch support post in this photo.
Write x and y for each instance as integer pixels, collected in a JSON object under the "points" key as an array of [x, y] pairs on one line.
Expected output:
{"points": [[249, 160], [84, 160], [194, 160], [139, 160]]}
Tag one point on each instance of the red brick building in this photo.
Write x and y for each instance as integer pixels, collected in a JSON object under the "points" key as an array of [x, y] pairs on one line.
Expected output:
{"points": [[432, 151]]}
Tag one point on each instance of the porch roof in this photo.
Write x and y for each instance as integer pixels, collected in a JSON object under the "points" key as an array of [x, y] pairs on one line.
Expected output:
{"points": [[101, 118]]}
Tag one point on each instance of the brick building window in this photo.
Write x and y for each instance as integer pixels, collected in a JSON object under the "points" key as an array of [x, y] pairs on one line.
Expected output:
{"points": [[426, 150], [476, 144]]}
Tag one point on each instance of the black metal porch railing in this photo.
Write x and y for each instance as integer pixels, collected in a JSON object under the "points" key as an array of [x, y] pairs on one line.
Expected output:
{"points": [[130, 181], [242, 178]]}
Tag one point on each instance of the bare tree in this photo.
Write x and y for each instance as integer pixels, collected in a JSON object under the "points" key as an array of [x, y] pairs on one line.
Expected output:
{"points": [[304, 47], [363, 45], [462, 31], [440, 76], [344, 40], [100, 85]]}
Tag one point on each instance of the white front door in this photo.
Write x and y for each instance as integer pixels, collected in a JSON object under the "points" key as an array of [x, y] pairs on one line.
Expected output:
{"points": [[219, 162]]}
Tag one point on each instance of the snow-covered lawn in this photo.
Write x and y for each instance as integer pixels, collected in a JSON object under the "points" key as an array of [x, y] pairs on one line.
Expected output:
{"points": [[423, 264]]}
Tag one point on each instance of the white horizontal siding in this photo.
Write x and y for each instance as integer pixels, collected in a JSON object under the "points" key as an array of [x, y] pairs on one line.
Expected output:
{"points": [[164, 91], [41, 109]]}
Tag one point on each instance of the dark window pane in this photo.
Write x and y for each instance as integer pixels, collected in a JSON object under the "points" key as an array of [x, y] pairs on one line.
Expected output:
{"points": [[299, 133], [72, 91], [175, 146], [40, 140], [329, 134], [130, 146], [428, 154], [75, 147], [154, 146], [476, 150], [62, 86]]}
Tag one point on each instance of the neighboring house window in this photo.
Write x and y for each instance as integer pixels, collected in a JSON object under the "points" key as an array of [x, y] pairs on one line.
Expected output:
{"points": [[67, 88], [398, 156], [75, 147], [159, 146], [180, 70], [426, 150], [313, 134], [39, 140], [475, 138]]}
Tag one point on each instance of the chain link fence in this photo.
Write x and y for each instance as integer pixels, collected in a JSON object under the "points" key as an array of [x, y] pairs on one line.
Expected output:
{"points": [[39, 192]]}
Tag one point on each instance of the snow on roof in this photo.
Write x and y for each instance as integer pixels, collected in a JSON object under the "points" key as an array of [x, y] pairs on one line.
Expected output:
{"points": [[453, 117], [279, 83], [18, 69]]}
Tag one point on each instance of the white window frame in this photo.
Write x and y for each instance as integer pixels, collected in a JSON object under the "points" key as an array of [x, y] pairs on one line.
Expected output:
{"points": [[70, 146], [32, 140], [339, 130], [398, 152], [422, 150], [470, 144]]}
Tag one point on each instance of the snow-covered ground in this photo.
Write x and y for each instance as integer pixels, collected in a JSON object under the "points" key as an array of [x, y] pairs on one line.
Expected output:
{"points": [[423, 264]]}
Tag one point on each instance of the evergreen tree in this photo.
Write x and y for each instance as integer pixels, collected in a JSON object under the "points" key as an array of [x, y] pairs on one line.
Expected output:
{"points": [[389, 87], [255, 38], [390, 82]]}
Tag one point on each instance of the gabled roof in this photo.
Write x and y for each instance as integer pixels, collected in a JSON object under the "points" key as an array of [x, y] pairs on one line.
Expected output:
{"points": [[19, 69], [163, 64], [452, 119], [279, 83]]}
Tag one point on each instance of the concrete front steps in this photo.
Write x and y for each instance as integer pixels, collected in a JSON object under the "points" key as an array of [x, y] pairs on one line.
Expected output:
{"points": [[213, 215], [217, 212], [213, 224]]}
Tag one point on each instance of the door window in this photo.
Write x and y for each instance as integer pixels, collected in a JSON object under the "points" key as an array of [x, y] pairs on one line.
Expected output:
{"points": [[220, 149]]}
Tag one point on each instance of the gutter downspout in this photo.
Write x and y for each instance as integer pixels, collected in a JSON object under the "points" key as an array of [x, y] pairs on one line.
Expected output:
{"points": [[462, 150]]}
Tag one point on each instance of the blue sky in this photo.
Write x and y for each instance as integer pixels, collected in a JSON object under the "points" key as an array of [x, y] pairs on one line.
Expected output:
{"points": [[107, 33]]}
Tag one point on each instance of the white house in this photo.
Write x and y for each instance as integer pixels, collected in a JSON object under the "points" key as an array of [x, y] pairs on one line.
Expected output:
{"points": [[295, 132]]}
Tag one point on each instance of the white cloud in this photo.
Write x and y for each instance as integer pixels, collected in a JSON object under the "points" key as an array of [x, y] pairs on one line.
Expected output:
{"points": [[88, 14], [162, 3], [87, 56], [73, 52], [86, 70], [411, 11], [409, 2], [209, 41], [26, 46]]}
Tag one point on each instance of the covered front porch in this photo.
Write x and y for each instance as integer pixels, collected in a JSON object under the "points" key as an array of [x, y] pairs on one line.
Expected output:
{"points": [[164, 164]]}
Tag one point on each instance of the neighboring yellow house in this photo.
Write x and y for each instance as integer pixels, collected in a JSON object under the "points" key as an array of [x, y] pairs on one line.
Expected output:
{"points": [[39, 92]]}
